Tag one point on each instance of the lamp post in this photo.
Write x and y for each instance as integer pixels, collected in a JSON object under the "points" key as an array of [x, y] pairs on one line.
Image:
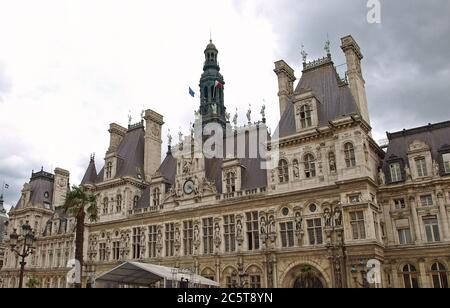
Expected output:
{"points": [[363, 271], [239, 277], [27, 239]]}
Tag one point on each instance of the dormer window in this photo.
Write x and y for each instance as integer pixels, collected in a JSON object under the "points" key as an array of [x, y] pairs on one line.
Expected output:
{"points": [[421, 166], [230, 182], [305, 116], [156, 197], [446, 160], [283, 171], [108, 170], [396, 173], [350, 158], [46, 195], [310, 166]]}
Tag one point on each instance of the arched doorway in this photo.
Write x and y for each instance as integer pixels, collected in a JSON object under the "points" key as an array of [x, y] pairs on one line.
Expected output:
{"points": [[304, 276]]}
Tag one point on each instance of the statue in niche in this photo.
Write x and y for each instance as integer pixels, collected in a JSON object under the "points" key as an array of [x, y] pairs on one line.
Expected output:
{"points": [[239, 228], [408, 173], [436, 170], [298, 222], [327, 217], [381, 177], [263, 226], [338, 217], [271, 226]]}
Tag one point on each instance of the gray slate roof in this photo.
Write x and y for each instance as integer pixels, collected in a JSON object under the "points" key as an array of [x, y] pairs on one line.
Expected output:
{"points": [[436, 136], [90, 176], [40, 182], [335, 98]]}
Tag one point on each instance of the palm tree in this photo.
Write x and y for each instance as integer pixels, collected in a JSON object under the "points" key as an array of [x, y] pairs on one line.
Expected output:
{"points": [[80, 203]]}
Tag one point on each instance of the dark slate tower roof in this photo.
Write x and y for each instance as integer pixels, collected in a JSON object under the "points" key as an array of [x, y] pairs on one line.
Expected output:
{"points": [[436, 136], [91, 173], [41, 189], [333, 94]]}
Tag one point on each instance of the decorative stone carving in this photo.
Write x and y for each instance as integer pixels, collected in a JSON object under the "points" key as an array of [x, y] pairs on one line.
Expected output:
{"points": [[337, 216], [381, 177], [327, 217], [217, 235], [436, 170]]}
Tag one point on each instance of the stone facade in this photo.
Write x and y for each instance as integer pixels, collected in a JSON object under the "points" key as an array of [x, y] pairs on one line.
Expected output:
{"points": [[328, 209]]}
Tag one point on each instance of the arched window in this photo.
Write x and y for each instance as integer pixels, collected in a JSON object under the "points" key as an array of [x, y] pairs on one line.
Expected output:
{"points": [[296, 168], [283, 171], [439, 275], [410, 277], [105, 205], [108, 170], [332, 162], [305, 116], [119, 204], [349, 151], [231, 182], [156, 197], [310, 166], [135, 201]]}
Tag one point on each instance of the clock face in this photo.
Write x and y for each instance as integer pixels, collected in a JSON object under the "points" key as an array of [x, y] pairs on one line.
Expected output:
{"points": [[188, 187]]}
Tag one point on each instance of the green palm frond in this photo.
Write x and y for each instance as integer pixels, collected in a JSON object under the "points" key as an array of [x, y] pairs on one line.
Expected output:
{"points": [[79, 200]]}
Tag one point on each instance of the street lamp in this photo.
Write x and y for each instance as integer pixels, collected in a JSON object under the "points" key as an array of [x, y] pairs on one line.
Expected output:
{"points": [[354, 271], [28, 240], [239, 277]]}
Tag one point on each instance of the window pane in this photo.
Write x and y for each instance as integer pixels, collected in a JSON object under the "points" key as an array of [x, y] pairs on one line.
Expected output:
{"points": [[446, 160]]}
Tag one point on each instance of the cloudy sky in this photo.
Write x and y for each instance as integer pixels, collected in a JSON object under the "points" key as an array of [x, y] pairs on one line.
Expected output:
{"points": [[69, 68]]}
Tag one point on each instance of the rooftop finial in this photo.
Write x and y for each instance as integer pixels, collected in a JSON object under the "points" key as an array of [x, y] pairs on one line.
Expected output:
{"points": [[169, 146], [304, 54], [263, 111], [129, 118], [249, 114], [328, 46], [235, 118]]}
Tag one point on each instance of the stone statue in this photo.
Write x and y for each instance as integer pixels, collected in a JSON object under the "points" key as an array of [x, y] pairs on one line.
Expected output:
{"points": [[263, 226], [169, 138], [180, 137], [214, 108], [227, 116], [298, 222], [327, 217], [436, 170], [271, 227], [235, 118], [187, 166], [196, 234], [129, 118], [263, 111], [217, 231], [239, 228], [177, 236], [337, 217], [304, 54], [159, 237], [381, 177], [327, 47], [249, 114], [408, 173]]}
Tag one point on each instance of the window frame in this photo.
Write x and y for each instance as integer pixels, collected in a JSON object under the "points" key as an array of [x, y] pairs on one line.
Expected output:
{"points": [[350, 155], [432, 229], [410, 276], [310, 166], [283, 171], [358, 225], [421, 166]]}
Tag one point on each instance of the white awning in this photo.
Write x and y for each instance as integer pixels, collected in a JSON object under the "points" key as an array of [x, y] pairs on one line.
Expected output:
{"points": [[144, 274]]}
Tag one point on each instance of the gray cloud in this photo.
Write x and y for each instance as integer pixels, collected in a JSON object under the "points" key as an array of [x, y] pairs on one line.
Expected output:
{"points": [[5, 82], [405, 66]]}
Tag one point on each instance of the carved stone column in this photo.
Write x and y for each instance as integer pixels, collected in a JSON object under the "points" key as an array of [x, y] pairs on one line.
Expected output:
{"points": [[415, 220], [443, 214], [423, 274]]}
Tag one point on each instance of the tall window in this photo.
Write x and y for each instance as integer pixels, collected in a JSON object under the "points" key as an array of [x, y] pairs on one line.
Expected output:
{"points": [[283, 171], [105, 205], [208, 236], [136, 243], [156, 196], [102, 251], [315, 231], [255, 281], [446, 160], [421, 166], [119, 204], [439, 275], [152, 241], [231, 182], [426, 200], [135, 201], [396, 173], [229, 233], [399, 204], [108, 170], [357, 223], [350, 158], [170, 240], [296, 168], [332, 161], [410, 277], [305, 116], [310, 166], [188, 235], [116, 250], [252, 230], [432, 229], [404, 236], [287, 234]]}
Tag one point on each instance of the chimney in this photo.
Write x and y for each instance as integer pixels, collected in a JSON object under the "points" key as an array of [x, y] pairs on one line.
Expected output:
{"points": [[286, 78], [117, 133], [60, 187], [356, 81], [152, 155]]}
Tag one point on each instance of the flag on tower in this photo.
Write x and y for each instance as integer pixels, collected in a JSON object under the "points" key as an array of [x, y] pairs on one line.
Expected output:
{"points": [[191, 92], [218, 85], [6, 186]]}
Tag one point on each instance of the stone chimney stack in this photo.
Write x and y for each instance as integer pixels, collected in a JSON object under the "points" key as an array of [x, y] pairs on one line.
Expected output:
{"points": [[286, 78], [60, 187], [152, 155], [117, 133], [356, 81]]}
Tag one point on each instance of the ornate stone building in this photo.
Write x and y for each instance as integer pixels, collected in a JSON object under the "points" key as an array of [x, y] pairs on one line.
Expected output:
{"points": [[3, 224], [333, 204]]}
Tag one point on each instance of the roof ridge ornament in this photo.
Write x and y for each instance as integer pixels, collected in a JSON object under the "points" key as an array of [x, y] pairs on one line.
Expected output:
{"points": [[304, 54], [327, 47]]}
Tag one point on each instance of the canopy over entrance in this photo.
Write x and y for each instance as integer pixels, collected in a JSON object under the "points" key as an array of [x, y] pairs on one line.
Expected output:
{"points": [[143, 274]]}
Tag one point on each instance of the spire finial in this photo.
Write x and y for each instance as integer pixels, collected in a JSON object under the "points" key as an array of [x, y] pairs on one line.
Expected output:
{"points": [[304, 54], [327, 45], [210, 35]]}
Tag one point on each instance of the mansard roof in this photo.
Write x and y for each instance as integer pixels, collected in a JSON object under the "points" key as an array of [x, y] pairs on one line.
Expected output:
{"points": [[333, 94], [436, 136], [40, 184], [168, 168]]}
